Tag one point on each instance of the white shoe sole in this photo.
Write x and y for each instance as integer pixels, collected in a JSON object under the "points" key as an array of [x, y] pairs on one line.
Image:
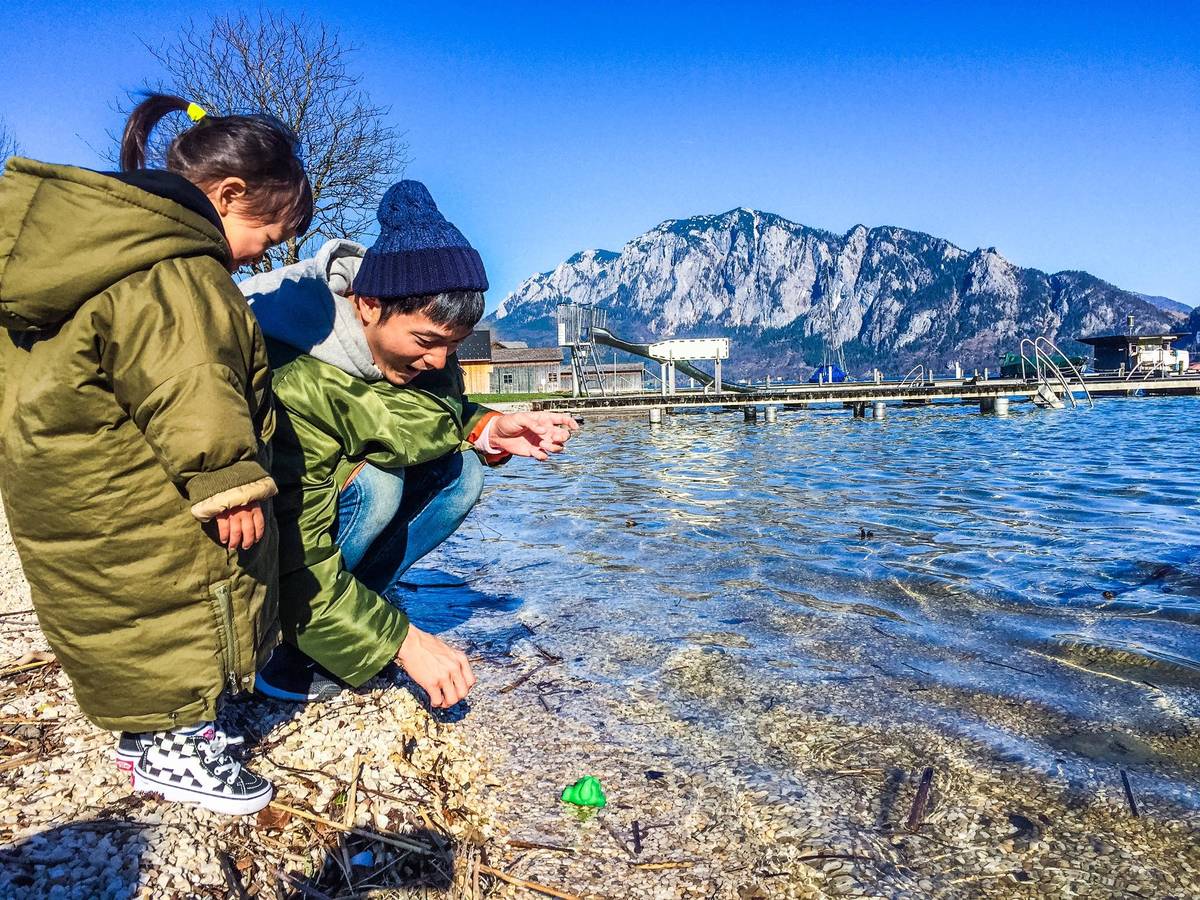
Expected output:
{"points": [[227, 806]]}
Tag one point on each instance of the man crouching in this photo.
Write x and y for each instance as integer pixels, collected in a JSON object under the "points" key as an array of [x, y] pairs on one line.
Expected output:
{"points": [[379, 455]]}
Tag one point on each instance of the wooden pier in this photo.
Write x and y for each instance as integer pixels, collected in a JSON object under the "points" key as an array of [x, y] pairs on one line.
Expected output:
{"points": [[866, 398]]}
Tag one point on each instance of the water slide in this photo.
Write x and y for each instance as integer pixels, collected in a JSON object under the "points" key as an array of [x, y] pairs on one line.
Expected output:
{"points": [[608, 339]]}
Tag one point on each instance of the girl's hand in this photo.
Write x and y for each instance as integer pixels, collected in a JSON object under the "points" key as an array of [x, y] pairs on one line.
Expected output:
{"points": [[241, 527], [532, 434]]}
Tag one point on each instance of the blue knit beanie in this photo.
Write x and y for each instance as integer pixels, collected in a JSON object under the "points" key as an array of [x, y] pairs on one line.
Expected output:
{"points": [[418, 252]]}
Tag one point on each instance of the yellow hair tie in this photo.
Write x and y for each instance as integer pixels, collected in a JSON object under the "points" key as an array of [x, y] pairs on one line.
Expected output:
{"points": [[196, 112]]}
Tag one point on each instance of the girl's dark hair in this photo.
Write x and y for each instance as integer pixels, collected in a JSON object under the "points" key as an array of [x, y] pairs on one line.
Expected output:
{"points": [[259, 149], [455, 309]]}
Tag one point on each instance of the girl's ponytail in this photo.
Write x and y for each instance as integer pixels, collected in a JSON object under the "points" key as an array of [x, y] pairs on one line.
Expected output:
{"points": [[259, 149], [141, 122]]}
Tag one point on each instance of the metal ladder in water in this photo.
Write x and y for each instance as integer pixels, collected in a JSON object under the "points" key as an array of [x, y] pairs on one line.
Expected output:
{"points": [[587, 377], [1050, 375]]}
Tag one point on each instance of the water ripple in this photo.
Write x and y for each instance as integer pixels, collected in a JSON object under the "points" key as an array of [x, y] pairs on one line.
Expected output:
{"points": [[1050, 557]]}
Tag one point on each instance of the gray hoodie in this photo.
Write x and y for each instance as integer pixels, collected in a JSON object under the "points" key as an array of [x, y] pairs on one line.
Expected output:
{"points": [[302, 306]]}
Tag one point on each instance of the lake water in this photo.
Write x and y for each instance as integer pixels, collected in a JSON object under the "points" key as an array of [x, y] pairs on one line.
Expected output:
{"points": [[1029, 585]]}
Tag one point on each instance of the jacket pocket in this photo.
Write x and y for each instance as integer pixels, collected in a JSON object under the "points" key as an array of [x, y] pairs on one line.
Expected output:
{"points": [[222, 599]]}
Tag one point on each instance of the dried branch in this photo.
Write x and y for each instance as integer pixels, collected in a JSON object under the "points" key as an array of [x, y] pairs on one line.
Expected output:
{"points": [[8, 142], [296, 69]]}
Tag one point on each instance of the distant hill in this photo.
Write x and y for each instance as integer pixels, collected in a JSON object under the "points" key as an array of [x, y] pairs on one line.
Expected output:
{"points": [[891, 297], [1166, 303]]}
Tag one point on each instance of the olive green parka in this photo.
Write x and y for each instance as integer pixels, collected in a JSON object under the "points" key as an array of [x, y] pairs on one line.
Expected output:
{"points": [[135, 406]]}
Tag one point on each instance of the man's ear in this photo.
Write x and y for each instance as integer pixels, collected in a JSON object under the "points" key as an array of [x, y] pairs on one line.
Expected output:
{"points": [[370, 310]]}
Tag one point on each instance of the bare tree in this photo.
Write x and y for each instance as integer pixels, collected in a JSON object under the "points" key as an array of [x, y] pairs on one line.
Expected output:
{"points": [[297, 70], [8, 142]]}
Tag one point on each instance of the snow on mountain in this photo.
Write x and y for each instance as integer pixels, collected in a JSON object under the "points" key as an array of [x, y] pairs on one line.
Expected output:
{"points": [[889, 297]]}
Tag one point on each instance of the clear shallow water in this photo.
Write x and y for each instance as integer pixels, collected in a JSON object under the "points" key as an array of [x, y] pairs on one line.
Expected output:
{"points": [[1032, 585]]}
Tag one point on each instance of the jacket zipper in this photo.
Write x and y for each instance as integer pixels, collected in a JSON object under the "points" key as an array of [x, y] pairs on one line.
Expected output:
{"points": [[229, 645]]}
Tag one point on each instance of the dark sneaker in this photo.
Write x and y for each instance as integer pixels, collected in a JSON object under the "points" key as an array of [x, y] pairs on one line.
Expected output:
{"points": [[130, 747], [290, 675], [193, 765]]}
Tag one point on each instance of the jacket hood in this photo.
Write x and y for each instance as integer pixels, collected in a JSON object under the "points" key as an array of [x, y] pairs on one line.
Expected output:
{"points": [[300, 305], [68, 234]]}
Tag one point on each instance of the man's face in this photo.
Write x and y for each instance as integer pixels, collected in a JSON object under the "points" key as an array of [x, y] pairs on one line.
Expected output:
{"points": [[405, 344]]}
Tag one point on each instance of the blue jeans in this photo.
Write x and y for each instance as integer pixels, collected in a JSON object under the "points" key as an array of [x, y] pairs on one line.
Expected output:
{"points": [[390, 518]]}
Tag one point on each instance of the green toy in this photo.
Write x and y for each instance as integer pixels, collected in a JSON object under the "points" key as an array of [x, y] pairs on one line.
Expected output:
{"points": [[585, 792]]}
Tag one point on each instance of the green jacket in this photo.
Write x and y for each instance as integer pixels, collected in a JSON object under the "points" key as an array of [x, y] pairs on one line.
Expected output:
{"points": [[134, 406], [330, 422], [335, 413]]}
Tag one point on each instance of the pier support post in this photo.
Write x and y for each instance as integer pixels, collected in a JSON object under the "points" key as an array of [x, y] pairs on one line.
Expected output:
{"points": [[662, 377], [717, 377], [1000, 406], [656, 415], [987, 405], [771, 413], [750, 413], [880, 409], [859, 409]]}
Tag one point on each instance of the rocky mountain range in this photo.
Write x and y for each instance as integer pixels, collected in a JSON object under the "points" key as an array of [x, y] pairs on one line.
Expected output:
{"points": [[786, 293]]}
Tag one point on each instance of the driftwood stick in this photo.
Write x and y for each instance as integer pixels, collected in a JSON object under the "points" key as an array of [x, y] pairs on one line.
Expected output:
{"points": [[508, 689], [994, 662], [18, 761], [306, 888], [637, 837], [352, 796], [1129, 798], [232, 876], [529, 885], [809, 857], [399, 843], [546, 654], [535, 845], [917, 813], [616, 836], [653, 866], [4, 673]]}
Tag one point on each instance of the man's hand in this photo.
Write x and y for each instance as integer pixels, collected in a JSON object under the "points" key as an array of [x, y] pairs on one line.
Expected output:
{"points": [[241, 527], [536, 434], [440, 670]]}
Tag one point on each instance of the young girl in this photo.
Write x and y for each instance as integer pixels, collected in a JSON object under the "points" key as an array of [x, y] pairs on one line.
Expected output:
{"points": [[135, 414]]}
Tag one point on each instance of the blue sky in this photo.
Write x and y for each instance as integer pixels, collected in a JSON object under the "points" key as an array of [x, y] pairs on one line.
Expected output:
{"points": [[1067, 136]]}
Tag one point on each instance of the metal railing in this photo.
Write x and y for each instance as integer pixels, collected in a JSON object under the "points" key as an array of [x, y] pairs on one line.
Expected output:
{"points": [[915, 376], [1044, 351]]}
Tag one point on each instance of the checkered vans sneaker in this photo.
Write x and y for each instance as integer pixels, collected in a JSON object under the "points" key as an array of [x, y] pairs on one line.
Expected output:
{"points": [[193, 766], [130, 747]]}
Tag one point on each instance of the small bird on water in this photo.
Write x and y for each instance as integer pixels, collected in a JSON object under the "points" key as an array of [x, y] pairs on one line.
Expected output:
{"points": [[863, 534]]}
